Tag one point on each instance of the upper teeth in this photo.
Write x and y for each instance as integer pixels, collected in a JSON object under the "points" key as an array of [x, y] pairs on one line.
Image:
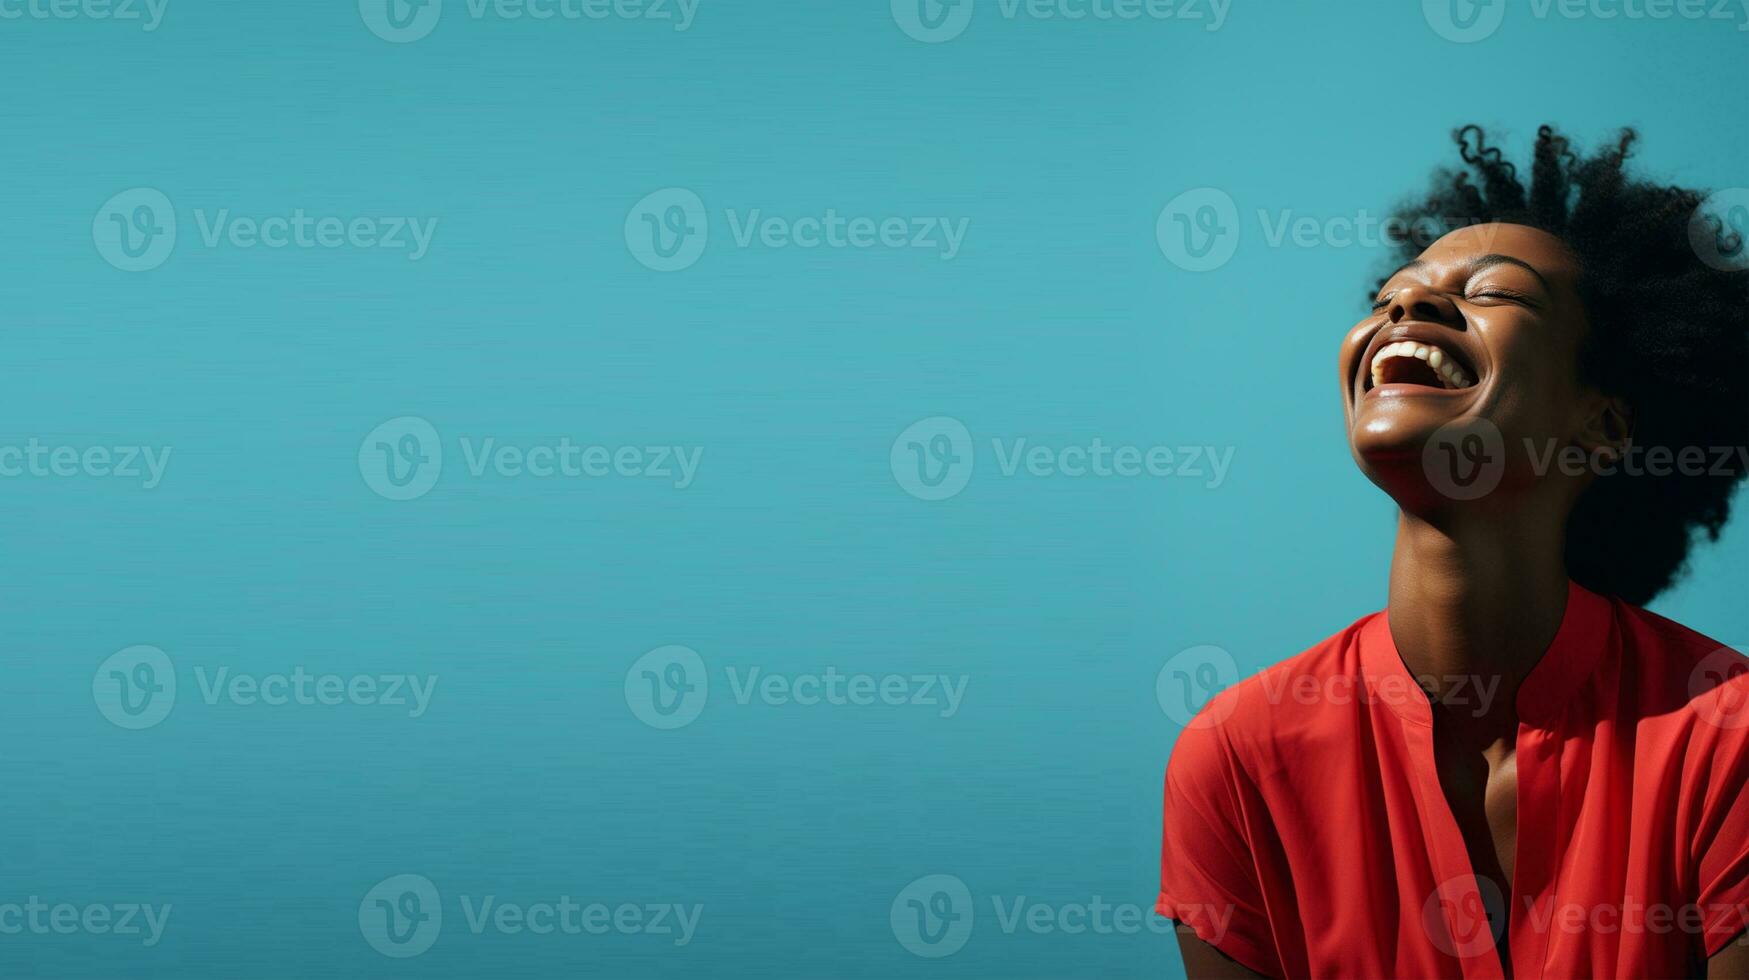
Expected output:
{"points": [[1441, 362]]}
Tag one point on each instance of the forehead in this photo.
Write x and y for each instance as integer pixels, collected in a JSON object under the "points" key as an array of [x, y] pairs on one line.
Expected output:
{"points": [[1533, 246]]}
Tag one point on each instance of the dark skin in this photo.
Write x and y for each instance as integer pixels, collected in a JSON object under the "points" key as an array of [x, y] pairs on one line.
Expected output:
{"points": [[1478, 587]]}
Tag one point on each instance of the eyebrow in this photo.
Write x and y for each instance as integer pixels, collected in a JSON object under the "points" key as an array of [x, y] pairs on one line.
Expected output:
{"points": [[1481, 262]]}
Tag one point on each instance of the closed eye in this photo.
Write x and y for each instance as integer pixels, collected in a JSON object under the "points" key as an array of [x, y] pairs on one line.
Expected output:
{"points": [[1503, 294]]}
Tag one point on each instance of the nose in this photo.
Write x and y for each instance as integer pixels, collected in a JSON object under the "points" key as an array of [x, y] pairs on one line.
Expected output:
{"points": [[1418, 302]]}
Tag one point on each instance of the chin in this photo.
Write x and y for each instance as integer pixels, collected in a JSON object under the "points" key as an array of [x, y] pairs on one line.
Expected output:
{"points": [[1400, 420], [1431, 452]]}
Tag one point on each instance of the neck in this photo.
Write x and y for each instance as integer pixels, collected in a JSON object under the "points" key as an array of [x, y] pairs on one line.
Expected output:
{"points": [[1476, 601]]}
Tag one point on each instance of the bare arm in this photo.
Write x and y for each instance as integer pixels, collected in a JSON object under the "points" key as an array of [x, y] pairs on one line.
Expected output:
{"points": [[1729, 963], [1204, 962]]}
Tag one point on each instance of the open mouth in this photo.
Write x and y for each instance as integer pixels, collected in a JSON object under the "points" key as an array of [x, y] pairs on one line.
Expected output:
{"points": [[1408, 362]]}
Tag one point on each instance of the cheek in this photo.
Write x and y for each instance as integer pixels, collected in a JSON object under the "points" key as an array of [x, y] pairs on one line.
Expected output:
{"points": [[1353, 345], [1537, 384]]}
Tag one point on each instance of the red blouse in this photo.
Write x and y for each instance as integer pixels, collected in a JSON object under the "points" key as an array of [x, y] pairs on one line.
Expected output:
{"points": [[1307, 834]]}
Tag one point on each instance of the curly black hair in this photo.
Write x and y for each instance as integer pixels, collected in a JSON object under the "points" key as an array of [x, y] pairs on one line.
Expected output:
{"points": [[1668, 329]]}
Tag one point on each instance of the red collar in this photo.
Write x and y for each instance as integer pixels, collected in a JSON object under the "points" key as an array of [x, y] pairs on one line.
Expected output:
{"points": [[1571, 661]]}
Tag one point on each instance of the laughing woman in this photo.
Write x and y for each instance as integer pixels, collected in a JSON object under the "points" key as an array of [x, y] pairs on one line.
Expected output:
{"points": [[1534, 777]]}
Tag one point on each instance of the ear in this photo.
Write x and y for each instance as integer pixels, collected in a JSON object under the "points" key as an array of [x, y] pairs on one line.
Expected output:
{"points": [[1607, 428]]}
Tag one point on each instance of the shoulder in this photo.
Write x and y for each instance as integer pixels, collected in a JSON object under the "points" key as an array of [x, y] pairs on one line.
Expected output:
{"points": [[1683, 675], [1305, 697], [1661, 641]]}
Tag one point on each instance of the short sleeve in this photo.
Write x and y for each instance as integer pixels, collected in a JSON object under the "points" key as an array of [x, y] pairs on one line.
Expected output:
{"points": [[1722, 840], [1208, 878]]}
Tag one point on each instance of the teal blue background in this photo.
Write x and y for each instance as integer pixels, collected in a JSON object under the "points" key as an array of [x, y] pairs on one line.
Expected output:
{"points": [[529, 778]]}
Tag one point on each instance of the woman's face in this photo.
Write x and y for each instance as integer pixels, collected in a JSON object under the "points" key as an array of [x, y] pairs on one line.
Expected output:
{"points": [[1470, 357]]}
